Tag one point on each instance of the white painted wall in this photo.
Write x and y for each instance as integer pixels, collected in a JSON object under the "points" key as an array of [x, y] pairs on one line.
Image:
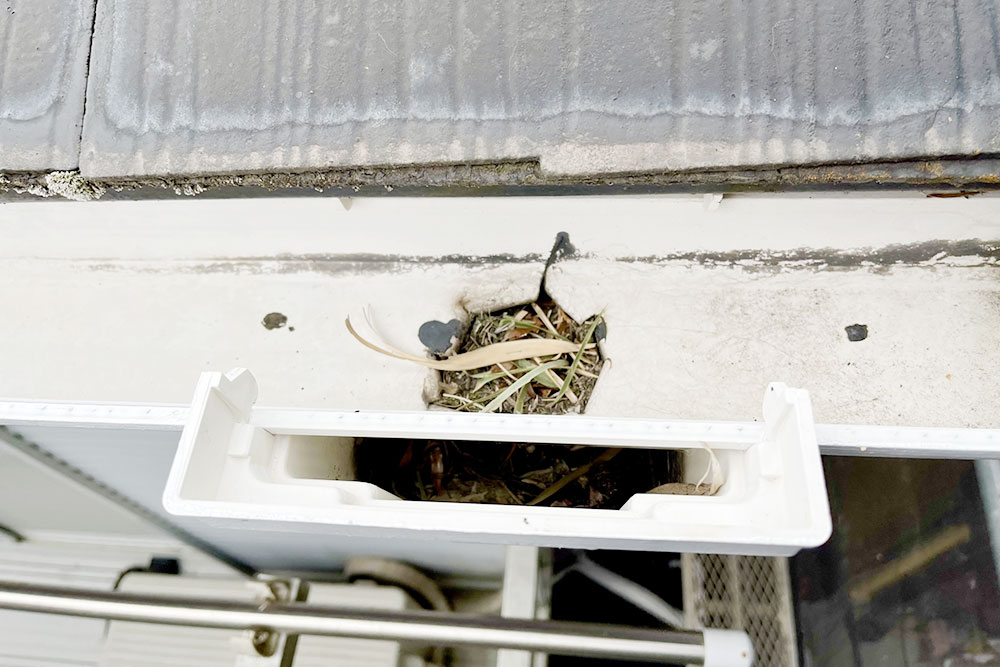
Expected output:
{"points": [[36, 501], [136, 463]]}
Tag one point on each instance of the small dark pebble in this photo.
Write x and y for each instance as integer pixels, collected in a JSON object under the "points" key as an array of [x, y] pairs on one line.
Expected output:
{"points": [[274, 321], [496, 473], [856, 332]]}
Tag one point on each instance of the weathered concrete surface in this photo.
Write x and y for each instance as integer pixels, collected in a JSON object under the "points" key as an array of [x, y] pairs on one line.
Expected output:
{"points": [[44, 46], [704, 308], [587, 87], [706, 346], [962, 177]]}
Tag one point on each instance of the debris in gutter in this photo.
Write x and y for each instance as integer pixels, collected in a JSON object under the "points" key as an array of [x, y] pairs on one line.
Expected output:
{"points": [[499, 353], [525, 359], [709, 484], [503, 473], [498, 368], [538, 384]]}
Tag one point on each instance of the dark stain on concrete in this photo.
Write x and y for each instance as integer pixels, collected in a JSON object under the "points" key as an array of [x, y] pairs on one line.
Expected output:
{"points": [[561, 249], [348, 263], [975, 252], [274, 321], [901, 254], [856, 332], [373, 262]]}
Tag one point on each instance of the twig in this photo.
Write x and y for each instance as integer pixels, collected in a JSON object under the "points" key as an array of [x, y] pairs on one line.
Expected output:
{"points": [[519, 401], [545, 320], [528, 328], [573, 399], [575, 474], [463, 399], [525, 379], [510, 493], [507, 372], [579, 355], [509, 454]]}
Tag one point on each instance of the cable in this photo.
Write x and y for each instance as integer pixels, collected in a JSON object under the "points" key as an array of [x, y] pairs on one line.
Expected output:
{"points": [[628, 590], [423, 589]]}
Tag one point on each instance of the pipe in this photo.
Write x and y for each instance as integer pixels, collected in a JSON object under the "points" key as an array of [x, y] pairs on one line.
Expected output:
{"points": [[427, 627], [628, 590], [988, 473]]}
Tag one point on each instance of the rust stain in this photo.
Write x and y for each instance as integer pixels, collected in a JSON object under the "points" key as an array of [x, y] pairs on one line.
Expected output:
{"points": [[952, 195]]}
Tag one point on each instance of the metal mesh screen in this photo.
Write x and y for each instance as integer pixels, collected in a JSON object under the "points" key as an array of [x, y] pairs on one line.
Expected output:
{"points": [[750, 593]]}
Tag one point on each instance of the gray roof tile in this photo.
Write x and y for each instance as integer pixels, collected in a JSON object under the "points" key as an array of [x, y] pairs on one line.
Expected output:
{"points": [[586, 86], [44, 45]]}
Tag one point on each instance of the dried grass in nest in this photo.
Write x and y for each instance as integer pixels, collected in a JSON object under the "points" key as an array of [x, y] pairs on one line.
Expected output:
{"points": [[502, 473], [535, 385], [559, 382]]}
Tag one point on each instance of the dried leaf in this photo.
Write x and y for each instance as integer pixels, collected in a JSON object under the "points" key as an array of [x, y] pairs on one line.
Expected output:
{"points": [[523, 365], [547, 381], [582, 470], [485, 379], [479, 358], [519, 402], [545, 320], [519, 328], [681, 489], [463, 399], [524, 379], [579, 355], [516, 333]]}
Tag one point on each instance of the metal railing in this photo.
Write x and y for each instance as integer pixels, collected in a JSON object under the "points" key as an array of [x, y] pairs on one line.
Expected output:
{"points": [[425, 627]]}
